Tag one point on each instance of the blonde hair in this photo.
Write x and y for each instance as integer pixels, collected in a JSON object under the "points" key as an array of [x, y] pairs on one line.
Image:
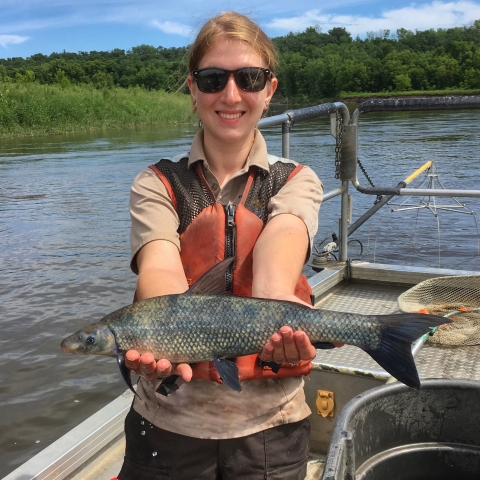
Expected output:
{"points": [[235, 26]]}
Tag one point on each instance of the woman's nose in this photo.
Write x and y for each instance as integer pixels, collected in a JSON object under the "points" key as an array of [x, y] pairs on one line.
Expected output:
{"points": [[231, 91]]}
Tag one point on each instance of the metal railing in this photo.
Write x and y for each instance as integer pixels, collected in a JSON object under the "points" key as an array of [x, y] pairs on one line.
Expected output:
{"points": [[349, 150], [411, 104], [288, 120]]}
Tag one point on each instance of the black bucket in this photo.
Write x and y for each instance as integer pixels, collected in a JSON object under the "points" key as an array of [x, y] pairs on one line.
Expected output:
{"points": [[393, 432]]}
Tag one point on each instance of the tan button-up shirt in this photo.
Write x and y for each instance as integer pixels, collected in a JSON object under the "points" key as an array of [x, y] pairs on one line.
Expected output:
{"points": [[154, 218], [201, 408]]}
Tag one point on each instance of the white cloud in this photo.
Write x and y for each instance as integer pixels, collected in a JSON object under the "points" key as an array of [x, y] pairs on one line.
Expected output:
{"points": [[173, 28], [50, 14], [435, 15], [11, 40]]}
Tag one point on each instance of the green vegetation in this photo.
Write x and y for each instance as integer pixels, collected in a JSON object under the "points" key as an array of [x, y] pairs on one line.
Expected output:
{"points": [[40, 109], [358, 97], [316, 65], [87, 90], [144, 66]]}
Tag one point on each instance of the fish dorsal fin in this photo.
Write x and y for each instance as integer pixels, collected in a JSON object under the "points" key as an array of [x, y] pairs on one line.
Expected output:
{"points": [[213, 281]]}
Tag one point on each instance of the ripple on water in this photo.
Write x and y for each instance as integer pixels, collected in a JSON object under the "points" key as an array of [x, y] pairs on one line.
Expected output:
{"points": [[64, 253]]}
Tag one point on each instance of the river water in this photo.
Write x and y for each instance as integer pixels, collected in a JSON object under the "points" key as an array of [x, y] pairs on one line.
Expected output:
{"points": [[64, 250]]}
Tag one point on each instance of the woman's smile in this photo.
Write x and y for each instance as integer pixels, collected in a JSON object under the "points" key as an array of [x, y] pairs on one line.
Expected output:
{"points": [[230, 115]]}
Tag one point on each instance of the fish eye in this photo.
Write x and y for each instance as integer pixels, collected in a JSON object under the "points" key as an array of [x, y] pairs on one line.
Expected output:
{"points": [[91, 340]]}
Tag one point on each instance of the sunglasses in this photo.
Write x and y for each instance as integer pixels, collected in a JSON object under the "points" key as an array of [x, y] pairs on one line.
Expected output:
{"points": [[249, 79]]}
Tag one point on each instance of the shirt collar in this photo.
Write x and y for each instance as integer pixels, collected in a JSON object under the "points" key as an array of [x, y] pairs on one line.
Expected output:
{"points": [[258, 155]]}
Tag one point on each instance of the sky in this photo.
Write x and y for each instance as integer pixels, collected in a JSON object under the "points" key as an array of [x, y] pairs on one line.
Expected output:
{"points": [[28, 27]]}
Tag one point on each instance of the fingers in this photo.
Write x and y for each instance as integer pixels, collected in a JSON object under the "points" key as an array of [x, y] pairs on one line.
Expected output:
{"points": [[267, 353], [288, 346], [165, 369], [146, 366], [185, 371], [305, 348], [132, 358]]}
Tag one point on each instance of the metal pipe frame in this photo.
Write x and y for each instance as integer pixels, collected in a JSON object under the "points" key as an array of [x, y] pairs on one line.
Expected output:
{"points": [[415, 192], [409, 104], [333, 193], [419, 103], [290, 117], [343, 240], [288, 120]]}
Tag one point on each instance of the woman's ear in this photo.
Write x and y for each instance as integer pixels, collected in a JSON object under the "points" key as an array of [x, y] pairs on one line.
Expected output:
{"points": [[271, 86], [192, 87]]}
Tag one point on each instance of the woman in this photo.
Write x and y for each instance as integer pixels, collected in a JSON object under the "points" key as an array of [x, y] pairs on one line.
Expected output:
{"points": [[181, 212]]}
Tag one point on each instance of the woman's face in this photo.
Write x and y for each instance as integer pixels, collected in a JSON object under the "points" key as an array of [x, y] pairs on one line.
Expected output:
{"points": [[231, 115]]}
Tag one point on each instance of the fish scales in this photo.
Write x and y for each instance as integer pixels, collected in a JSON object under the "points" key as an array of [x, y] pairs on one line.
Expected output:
{"points": [[194, 328], [204, 324]]}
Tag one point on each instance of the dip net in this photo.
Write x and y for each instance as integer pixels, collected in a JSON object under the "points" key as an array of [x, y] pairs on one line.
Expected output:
{"points": [[457, 298]]}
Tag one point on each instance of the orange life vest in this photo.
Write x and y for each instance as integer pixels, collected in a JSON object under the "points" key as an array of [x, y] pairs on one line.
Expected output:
{"points": [[210, 232]]}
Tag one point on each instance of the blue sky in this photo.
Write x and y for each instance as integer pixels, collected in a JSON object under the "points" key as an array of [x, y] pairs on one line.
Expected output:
{"points": [[45, 26]]}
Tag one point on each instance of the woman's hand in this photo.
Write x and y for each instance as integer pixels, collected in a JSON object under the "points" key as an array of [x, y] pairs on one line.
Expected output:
{"points": [[288, 346], [146, 366]]}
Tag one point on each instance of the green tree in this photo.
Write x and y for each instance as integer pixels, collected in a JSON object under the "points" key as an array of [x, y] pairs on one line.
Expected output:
{"points": [[402, 82], [61, 78], [27, 77], [352, 76], [102, 79], [3, 72], [471, 78], [340, 35]]}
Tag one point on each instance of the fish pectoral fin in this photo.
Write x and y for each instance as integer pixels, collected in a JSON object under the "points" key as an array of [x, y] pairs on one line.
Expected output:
{"points": [[273, 365], [125, 372], [213, 281], [168, 385], [323, 345], [228, 371]]}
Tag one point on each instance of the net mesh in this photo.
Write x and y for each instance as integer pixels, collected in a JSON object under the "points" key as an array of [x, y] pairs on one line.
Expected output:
{"points": [[455, 297]]}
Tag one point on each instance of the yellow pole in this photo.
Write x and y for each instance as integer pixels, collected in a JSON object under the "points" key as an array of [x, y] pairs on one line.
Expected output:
{"points": [[416, 173]]}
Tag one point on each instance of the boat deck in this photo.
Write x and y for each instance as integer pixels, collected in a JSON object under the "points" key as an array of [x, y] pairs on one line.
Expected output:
{"points": [[94, 449], [432, 362]]}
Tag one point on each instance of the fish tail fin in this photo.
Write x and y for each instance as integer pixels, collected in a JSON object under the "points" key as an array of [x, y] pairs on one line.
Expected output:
{"points": [[394, 353]]}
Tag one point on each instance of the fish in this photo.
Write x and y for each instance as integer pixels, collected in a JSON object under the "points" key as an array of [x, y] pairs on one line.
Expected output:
{"points": [[208, 324]]}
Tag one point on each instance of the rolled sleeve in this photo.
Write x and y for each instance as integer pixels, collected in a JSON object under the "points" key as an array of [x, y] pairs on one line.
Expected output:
{"points": [[152, 213], [301, 196]]}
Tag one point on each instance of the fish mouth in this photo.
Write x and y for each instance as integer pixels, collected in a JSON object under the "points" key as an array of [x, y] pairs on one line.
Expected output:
{"points": [[68, 346]]}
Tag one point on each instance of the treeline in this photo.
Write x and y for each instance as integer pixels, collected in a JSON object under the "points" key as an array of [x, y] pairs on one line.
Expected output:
{"points": [[317, 65], [143, 66], [314, 65]]}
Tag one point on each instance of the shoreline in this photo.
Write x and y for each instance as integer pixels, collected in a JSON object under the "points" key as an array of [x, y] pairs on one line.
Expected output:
{"points": [[363, 97], [119, 108], [92, 129], [29, 110]]}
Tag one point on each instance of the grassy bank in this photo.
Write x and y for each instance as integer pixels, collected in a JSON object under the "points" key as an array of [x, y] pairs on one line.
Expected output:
{"points": [[361, 97], [33, 109]]}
